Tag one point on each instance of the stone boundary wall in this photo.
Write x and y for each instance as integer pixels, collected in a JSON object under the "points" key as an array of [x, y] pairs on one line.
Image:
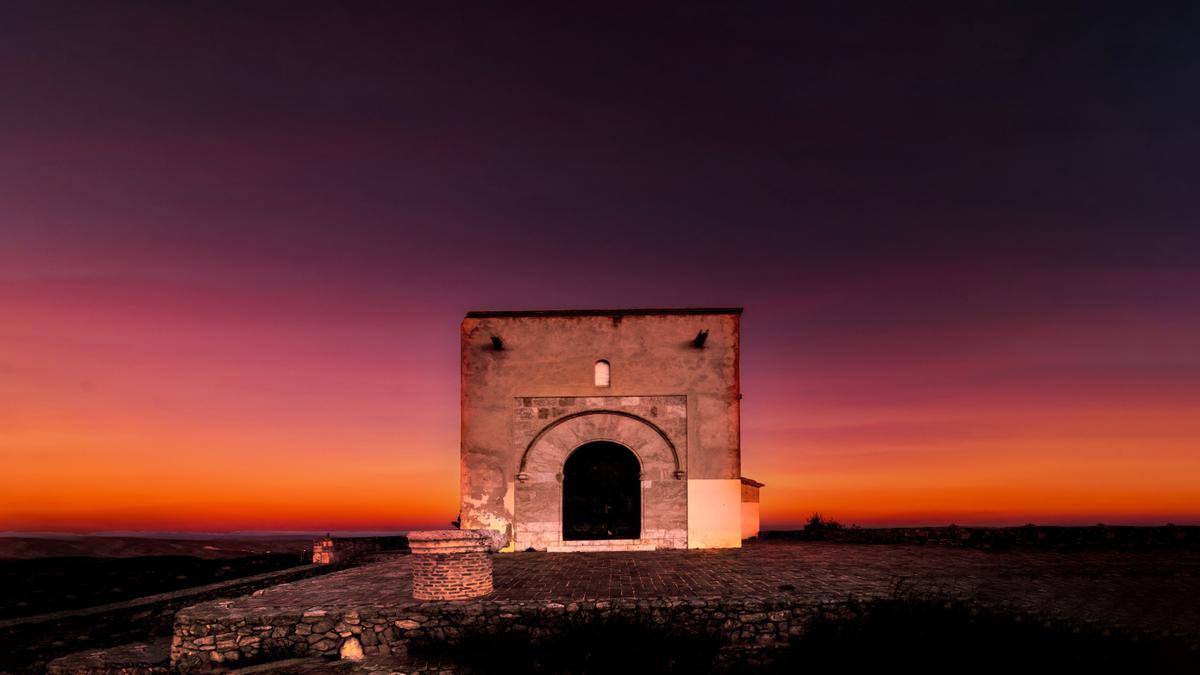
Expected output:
{"points": [[747, 632], [1175, 537], [741, 626], [28, 642]]}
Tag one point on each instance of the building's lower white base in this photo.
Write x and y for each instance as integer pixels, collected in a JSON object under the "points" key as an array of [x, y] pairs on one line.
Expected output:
{"points": [[714, 513]]}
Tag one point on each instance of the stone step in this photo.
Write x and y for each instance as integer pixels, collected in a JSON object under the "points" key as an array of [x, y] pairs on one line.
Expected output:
{"points": [[145, 658], [601, 545], [606, 542], [297, 666], [379, 665]]}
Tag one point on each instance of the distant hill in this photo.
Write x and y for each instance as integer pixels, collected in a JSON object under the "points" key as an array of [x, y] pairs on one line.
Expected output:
{"points": [[128, 547]]}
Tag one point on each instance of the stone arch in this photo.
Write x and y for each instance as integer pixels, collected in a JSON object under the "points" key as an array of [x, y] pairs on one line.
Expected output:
{"points": [[538, 498], [618, 429]]}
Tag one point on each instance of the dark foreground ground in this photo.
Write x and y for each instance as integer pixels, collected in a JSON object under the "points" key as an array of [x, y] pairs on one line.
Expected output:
{"points": [[898, 634], [42, 575], [65, 594], [43, 585]]}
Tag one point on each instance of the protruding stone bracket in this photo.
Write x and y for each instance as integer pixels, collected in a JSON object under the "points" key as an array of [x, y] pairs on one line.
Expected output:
{"points": [[678, 475]]}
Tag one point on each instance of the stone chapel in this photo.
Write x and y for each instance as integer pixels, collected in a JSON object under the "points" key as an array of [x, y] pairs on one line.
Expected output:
{"points": [[604, 430]]}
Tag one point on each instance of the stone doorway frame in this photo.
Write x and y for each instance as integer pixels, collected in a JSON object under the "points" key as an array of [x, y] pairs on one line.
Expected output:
{"points": [[537, 508], [641, 511]]}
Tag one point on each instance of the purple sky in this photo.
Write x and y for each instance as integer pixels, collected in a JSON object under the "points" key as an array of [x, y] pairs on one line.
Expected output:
{"points": [[957, 232]]}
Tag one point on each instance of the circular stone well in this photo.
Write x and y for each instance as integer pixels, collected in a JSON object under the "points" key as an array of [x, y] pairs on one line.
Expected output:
{"points": [[450, 564]]}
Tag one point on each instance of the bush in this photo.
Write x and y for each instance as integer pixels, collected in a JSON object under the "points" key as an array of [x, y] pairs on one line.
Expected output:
{"points": [[818, 522]]}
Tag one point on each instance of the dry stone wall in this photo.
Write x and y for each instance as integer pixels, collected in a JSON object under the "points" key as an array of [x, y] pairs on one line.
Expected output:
{"points": [[746, 629]]}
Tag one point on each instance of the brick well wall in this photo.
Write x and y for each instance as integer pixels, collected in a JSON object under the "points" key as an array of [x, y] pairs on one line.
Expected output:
{"points": [[450, 564]]}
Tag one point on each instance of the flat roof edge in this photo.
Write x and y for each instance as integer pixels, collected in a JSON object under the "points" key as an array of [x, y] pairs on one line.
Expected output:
{"points": [[602, 312]]}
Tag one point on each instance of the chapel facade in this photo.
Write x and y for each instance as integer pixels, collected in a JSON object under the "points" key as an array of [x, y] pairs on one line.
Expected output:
{"points": [[603, 429]]}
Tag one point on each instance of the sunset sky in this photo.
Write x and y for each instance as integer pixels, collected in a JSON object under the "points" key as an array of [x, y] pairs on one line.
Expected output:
{"points": [[237, 240]]}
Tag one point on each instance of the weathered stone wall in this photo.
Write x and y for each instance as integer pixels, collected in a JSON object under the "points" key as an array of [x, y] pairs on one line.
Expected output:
{"points": [[685, 399], [744, 633], [742, 627]]}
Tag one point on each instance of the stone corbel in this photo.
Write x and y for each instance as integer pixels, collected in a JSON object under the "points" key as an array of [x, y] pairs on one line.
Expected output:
{"points": [[522, 477], [678, 475]]}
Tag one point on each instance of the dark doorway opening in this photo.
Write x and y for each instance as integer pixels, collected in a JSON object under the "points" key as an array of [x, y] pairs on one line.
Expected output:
{"points": [[602, 493]]}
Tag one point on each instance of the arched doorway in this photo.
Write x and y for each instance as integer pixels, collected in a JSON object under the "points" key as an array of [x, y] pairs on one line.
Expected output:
{"points": [[538, 483], [602, 493]]}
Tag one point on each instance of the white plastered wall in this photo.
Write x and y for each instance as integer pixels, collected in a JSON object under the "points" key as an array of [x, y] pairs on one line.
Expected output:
{"points": [[714, 513]]}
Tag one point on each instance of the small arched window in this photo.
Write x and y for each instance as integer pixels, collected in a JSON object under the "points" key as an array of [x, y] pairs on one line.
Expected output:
{"points": [[603, 373]]}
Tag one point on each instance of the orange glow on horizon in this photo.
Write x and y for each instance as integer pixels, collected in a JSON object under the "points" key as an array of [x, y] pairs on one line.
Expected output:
{"points": [[125, 412]]}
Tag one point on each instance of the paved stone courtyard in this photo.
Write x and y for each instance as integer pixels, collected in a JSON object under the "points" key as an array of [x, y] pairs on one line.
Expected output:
{"points": [[752, 598], [1157, 591]]}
